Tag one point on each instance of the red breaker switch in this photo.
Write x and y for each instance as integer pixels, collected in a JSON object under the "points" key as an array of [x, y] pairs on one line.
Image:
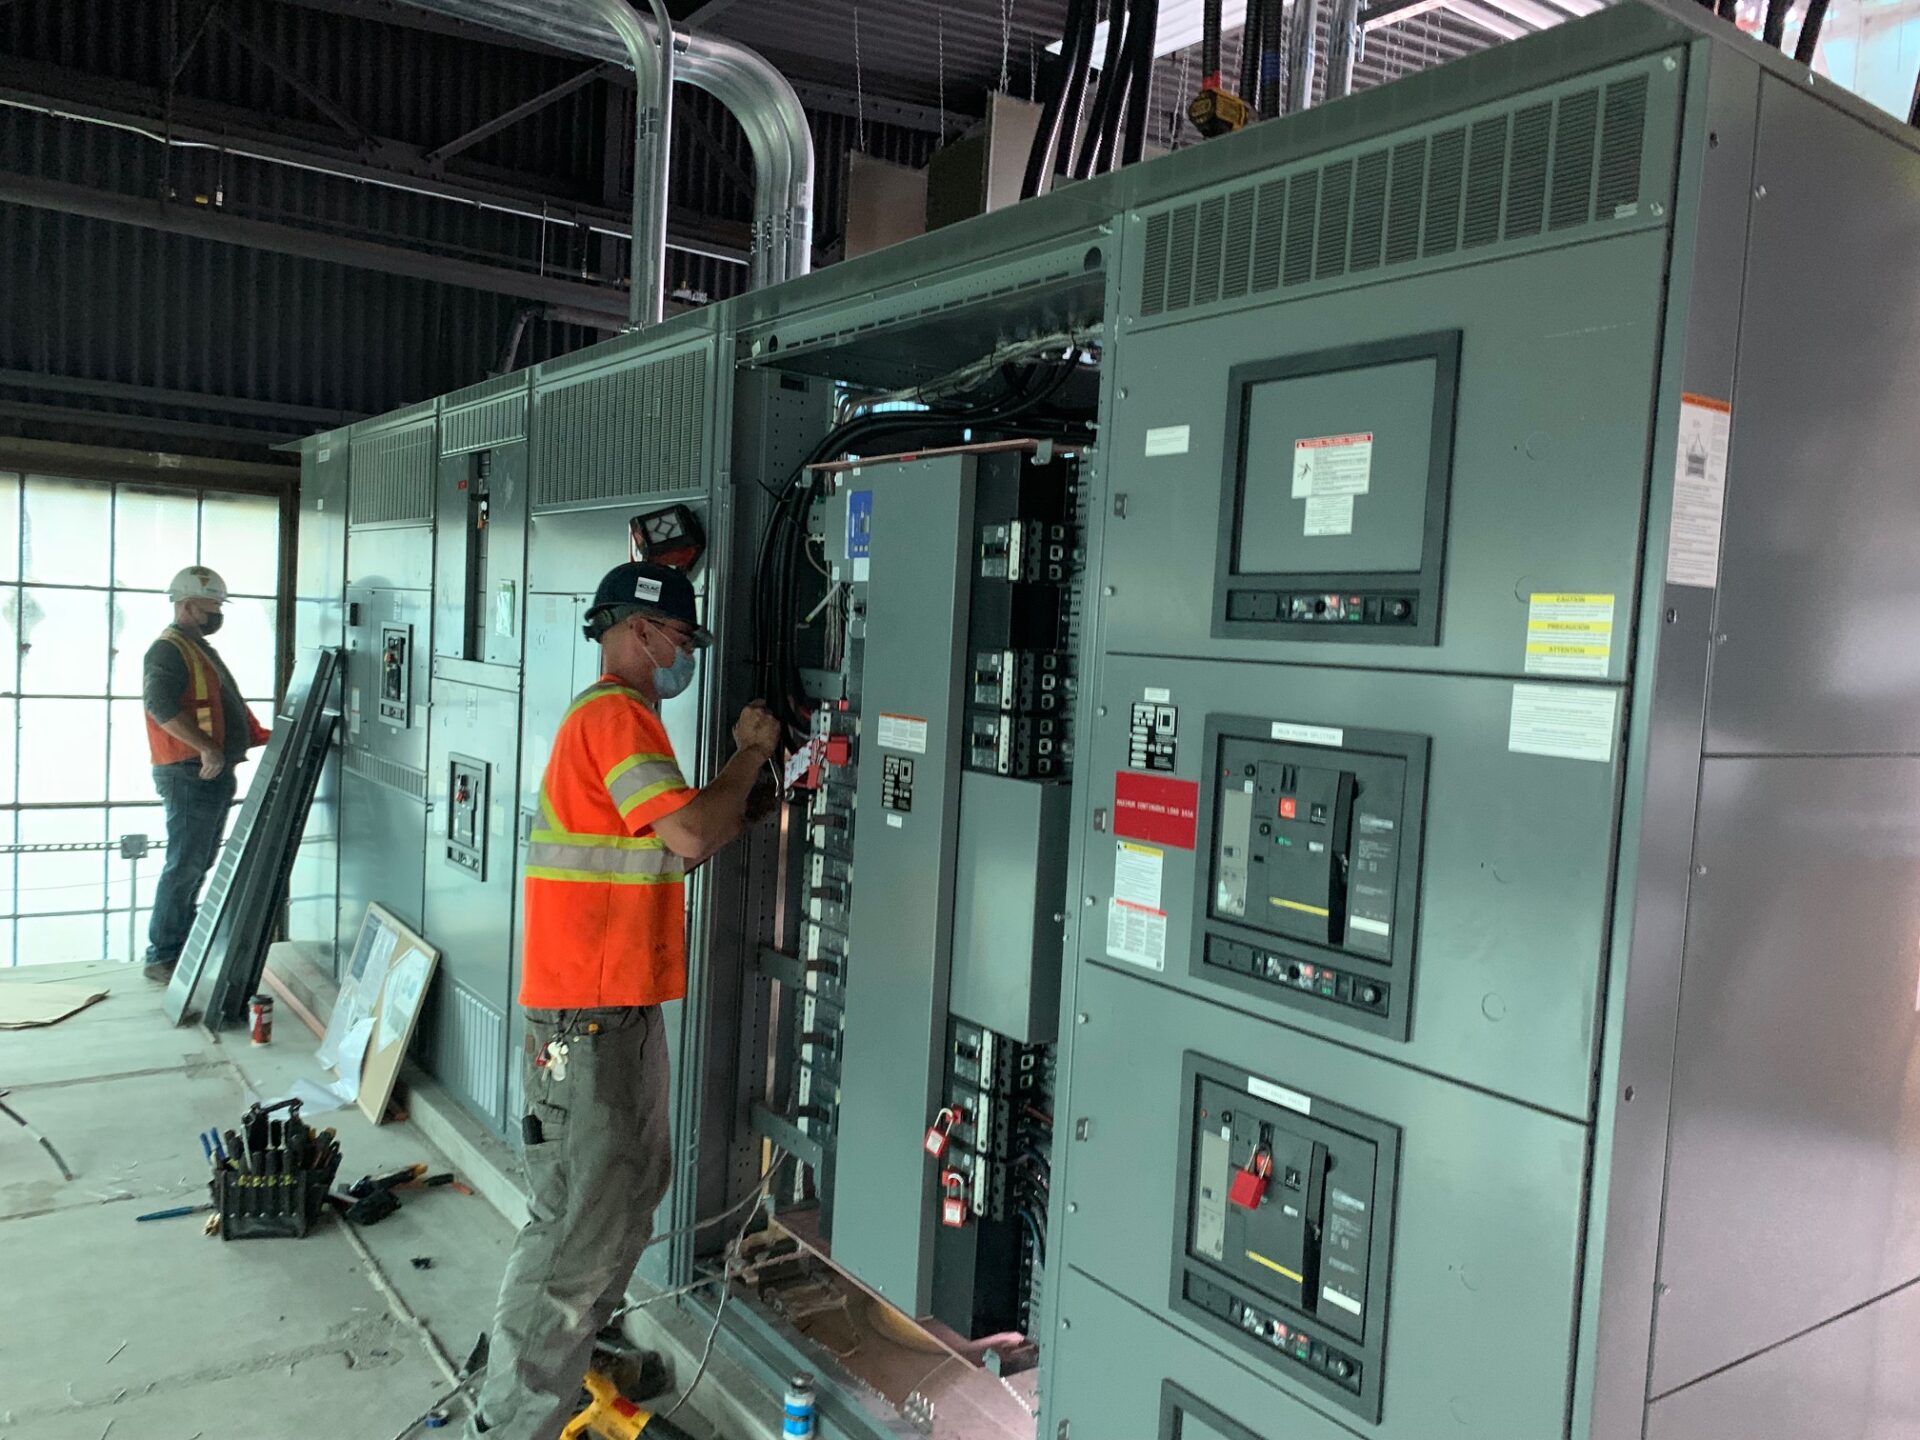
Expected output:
{"points": [[953, 1199], [1249, 1186]]}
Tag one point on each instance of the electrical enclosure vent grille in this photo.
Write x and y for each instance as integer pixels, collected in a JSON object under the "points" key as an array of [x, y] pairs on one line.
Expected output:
{"points": [[636, 430], [1543, 167], [469, 1047], [498, 421], [392, 477], [382, 771]]}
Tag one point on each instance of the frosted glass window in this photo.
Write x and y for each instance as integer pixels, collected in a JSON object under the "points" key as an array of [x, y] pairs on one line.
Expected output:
{"points": [[59, 939], [9, 722], [246, 643], [155, 534], [129, 757], [67, 531], [137, 622], [9, 525], [63, 751], [240, 537], [61, 880], [148, 820], [63, 641], [9, 639], [126, 941]]}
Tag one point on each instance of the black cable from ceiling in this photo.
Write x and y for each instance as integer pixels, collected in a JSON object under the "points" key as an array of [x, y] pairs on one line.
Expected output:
{"points": [[1078, 76], [1142, 28], [1810, 27], [1046, 138], [1250, 55], [1096, 148], [1272, 82], [1774, 32]]}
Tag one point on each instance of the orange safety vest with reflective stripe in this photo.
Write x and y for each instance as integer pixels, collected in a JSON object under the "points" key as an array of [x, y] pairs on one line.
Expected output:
{"points": [[201, 699], [605, 898]]}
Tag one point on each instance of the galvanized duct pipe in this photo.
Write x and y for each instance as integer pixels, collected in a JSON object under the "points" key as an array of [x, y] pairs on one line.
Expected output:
{"points": [[757, 95], [1343, 47], [1300, 48]]}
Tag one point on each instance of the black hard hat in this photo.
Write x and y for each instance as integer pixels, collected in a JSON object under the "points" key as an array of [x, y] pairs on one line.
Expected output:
{"points": [[640, 588]]}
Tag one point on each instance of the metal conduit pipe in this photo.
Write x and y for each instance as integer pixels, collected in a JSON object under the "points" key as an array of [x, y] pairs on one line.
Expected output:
{"points": [[757, 95], [1343, 46], [1300, 48]]}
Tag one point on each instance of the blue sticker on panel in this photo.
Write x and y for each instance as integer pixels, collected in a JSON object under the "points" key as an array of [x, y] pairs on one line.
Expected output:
{"points": [[860, 524]]}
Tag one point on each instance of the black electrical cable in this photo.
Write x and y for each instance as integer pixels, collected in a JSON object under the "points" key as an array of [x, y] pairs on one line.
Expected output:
{"points": [[1775, 29], [1210, 42], [1250, 56], [1046, 138], [1913, 110], [1077, 78], [1810, 27], [1272, 79], [1143, 28], [1096, 147], [1726, 10]]}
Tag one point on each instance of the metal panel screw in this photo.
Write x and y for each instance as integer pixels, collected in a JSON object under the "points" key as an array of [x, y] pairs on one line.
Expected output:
{"points": [[1672, 615], [1081, 1018], [1065, 1324], [1082, 1129], [1720, 639], [1090, 902], [1100, 710], [1669, 63], [1657, 208], [1699, 869], [1121, 393], [1073, 1207], [1107, 590], [1759, 192]]}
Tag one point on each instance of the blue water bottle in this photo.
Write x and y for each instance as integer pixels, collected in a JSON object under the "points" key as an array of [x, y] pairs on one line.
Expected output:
{"points": [[799, 1408]]}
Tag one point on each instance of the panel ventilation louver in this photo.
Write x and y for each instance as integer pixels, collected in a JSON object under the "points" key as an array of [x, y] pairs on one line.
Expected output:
{"points": [[634, 430], [382, 771], [1515, 177], [392, 477], [481, 426], [471, 1056]]}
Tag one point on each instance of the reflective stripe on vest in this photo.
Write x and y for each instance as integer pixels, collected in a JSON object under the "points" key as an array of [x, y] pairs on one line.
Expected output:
{"points": [[602, 859], [640, 778], [201, 680]]}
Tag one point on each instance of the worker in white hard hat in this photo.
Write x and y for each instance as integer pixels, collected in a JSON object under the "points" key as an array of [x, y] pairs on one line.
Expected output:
{"points": [[198, 729]]}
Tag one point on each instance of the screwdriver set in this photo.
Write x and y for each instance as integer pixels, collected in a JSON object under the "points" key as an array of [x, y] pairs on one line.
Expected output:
{"points": [[271, 1176]]}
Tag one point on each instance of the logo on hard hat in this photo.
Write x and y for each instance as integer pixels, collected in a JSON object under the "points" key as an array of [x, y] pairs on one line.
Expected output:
{"points": [[647, 589]]}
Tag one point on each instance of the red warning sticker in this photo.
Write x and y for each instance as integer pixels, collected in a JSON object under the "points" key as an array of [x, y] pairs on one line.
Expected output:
{"points": [[1156, 808]]}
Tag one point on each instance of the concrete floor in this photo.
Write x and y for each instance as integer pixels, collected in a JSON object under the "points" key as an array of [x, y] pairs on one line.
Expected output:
{"points": [[156, 1331]]}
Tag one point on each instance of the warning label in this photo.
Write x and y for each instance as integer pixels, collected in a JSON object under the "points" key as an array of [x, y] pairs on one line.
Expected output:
{"points": [[1332, 465], [1137, 935], [903, 732], [1156, 808], [1569, 635], [1699, 491]]}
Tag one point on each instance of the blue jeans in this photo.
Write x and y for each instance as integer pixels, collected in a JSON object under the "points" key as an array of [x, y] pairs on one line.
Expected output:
{"points": [[196, 819]]}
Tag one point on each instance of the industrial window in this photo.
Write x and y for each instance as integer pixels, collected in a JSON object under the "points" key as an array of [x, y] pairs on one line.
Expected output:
{"points": [[84, 566]]}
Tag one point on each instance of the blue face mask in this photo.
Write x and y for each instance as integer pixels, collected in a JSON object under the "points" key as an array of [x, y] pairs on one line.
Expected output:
{"points": [[671, 680]]}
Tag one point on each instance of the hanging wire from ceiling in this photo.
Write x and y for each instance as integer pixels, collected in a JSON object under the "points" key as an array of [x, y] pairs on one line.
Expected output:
{"points": [[859, 86], [1006, 46]]}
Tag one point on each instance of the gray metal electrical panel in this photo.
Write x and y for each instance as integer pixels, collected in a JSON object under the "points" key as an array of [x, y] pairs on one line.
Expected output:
{"points": [[1439, 890]]}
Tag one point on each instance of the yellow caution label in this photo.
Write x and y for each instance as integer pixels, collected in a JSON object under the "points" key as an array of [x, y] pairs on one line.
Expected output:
{"points": [[1569, 634], [1275, 1266], [1303, 908]]}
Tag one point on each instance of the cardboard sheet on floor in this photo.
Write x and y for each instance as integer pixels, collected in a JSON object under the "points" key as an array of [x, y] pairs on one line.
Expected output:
{"points": [[25, 1006]]}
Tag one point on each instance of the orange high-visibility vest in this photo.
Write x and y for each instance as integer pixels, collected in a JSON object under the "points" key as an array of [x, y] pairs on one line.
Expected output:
{"points": [[605, 897], [201, 699]]}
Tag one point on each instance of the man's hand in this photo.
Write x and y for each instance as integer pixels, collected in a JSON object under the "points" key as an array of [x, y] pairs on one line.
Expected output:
{"points": [[758, 732], [212, 762]]}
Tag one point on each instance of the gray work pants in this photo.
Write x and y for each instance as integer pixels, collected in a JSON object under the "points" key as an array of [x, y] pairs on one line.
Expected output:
{"points": [[597, 1172]]}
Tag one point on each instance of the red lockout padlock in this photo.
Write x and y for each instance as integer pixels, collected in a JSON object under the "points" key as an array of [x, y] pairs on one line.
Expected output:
{"points": [[1249, 1186], [938, 1134], [953, 1207]]}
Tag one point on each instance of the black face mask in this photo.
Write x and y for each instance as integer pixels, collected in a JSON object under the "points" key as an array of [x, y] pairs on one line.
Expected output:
{"points": [[212, 623]]}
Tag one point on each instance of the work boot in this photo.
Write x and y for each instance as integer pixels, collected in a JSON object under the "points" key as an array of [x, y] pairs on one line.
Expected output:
{"points": [[160, 972]]}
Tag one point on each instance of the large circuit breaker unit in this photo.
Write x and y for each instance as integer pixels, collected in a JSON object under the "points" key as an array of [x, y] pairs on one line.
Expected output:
{"points": [[1348, 867]]}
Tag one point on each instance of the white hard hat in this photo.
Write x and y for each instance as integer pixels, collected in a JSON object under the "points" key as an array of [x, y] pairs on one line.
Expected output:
{"points": [[197, 582]]}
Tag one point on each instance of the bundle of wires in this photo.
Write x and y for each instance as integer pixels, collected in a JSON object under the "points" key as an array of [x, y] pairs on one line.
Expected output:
{"points": [[1016, 400]]}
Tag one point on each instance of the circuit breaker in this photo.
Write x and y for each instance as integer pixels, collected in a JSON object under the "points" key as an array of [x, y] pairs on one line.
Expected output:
{"points": [[1311, 893], [467, 810], [396, 675], [1285, 1219]]}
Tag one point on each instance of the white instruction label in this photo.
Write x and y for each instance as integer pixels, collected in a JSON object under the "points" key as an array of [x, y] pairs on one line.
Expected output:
{"points": [[1280, 1095], [1169, 440], [326, 454], [1333, 465], [1352, 1307], [1137, 934], [1157, 695], [1329, 515], [1569, 722], [903, 732], [1309, 734], [1699, 491], [1136, 874], [1569, 634]]}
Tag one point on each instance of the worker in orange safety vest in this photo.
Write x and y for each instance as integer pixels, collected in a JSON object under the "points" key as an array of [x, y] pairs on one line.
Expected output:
{"points": [[604, 948], [198, 729]]}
